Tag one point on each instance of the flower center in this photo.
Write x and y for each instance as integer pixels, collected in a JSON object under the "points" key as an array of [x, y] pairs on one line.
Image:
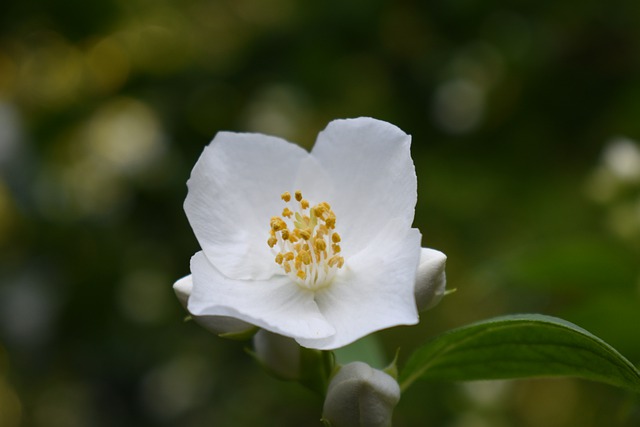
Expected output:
{"points": [[305, 242]]}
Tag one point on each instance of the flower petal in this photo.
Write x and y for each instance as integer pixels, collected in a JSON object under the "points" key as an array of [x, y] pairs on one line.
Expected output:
{"points": [[224, 325], [375, 292], [370, 163], [431, 279], [277, 305], [314, 182], [234, 190], [216, 324], [182, 288]]}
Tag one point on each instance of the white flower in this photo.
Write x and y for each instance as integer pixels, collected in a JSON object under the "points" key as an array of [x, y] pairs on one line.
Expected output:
{"points": [[313, 246], [359, 395]]}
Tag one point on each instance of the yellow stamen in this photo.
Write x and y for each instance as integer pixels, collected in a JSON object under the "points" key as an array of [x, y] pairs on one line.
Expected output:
{"points": [[278, 224], [300, 238], [317, 211], [336, 261], [331, 222], [305, 234], [305, 257]]}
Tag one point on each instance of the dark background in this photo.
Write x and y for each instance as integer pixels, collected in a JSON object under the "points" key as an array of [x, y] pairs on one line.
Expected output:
{"points": [[523, 117]]}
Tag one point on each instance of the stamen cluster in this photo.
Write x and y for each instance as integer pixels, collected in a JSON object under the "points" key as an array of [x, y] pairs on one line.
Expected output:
{"points": [[308, 248]]}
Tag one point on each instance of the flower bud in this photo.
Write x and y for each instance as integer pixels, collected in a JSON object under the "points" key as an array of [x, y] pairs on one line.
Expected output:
{"points": [[220, 325], [182, 288], [359, 395], [431, 279], [280, 355]]}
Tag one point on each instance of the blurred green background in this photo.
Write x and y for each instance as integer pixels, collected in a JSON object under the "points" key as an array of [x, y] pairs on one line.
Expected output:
{"points": [[524, 119]]}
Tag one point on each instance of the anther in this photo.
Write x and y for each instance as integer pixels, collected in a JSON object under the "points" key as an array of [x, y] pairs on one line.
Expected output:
{"points": [[304, 203], [286, 212], [277, 224], [305, 234], [272, 241], [336, 261], [335, 238], [331, 222], [286, 196], [305, 257], [298, 195]]}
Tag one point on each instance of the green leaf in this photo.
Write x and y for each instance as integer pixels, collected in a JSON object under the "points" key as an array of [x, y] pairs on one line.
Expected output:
{"points": [[519, 346]]}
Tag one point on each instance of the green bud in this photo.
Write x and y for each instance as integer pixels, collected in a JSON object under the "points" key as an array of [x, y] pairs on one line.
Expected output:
{"points": [[280, 355], [286, 359], [360, 396]]}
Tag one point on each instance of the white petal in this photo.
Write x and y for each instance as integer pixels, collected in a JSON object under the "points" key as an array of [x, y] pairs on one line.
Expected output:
{"points": [[431, 279], [370, 163], [182, 288], [216, 324], [376, 290], [223, 325], [277, 305], [234, 190], [314, 182]]}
